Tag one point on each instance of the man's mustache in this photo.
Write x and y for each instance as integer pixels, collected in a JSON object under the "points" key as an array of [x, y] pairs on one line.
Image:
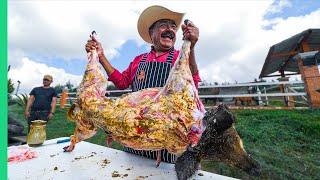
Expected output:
{"points": [[168, 34]]}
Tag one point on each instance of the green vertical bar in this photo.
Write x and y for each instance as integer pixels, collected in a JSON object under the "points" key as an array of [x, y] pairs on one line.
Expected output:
{"points": [[3, 90]]}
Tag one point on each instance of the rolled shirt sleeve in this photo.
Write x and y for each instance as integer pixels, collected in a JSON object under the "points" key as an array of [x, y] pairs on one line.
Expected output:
{"points": [[120, 80], [124, 80]]}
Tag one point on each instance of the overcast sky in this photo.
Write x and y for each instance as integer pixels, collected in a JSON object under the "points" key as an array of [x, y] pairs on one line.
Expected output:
{"points": [[48, 37]]}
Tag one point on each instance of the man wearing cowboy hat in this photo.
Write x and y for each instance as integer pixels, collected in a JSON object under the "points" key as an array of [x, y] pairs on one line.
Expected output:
{"points": [[158, 26], [42, 102]]}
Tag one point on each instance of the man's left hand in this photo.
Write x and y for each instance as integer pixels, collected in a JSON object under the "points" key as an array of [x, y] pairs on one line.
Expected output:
{"points": [[50, 116], [191, 33]]}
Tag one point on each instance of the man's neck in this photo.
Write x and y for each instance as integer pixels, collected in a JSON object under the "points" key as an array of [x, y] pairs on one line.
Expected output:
{"points": [[159, 52], [45, 86]]}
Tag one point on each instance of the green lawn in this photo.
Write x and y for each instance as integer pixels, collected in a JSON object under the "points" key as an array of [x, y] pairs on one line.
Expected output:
{"points": [[285, 142]]}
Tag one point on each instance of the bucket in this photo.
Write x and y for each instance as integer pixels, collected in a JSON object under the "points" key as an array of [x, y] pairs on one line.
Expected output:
{"points": [[37, 134]]}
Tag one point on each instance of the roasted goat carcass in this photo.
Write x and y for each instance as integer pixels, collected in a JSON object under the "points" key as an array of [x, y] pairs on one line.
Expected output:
{"points": [[169, 118], [151, 119]]}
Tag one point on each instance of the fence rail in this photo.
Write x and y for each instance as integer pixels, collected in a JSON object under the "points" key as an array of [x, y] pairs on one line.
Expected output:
{"points": [[253, 84], [259, 94], [253, 95]]}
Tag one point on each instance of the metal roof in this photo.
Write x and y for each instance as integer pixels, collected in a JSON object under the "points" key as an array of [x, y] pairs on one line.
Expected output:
{"points": [[280, 56]]}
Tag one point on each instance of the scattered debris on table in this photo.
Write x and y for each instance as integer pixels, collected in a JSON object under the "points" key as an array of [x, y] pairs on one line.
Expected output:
{"points": [[53, 155], [105, 162], [141, 177], [84, 157], [115, 174]]}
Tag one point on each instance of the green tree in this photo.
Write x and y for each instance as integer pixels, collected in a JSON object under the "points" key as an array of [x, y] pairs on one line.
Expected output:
{"points": [[59, 88], [10, 86], [69, 85]]}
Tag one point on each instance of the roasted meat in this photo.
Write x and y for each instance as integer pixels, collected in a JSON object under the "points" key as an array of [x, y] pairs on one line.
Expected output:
{"points": [[150, 119]]}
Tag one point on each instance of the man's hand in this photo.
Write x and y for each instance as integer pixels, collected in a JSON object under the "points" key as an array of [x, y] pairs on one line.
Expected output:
{"points": [[191, 33], [27, 114], [94, 44], [50, 115]]}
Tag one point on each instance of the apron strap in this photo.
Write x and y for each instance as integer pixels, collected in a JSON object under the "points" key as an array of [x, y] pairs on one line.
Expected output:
{"points": [[144, 58], [170, 56]]}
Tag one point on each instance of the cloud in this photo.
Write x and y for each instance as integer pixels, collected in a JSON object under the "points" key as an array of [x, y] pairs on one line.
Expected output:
{"points": [[279, 5], [30, 74], [232, 46], [237, 51], [61, 29]]}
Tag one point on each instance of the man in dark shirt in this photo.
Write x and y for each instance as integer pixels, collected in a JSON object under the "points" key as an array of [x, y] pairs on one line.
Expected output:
{"points": [[42, 101]]}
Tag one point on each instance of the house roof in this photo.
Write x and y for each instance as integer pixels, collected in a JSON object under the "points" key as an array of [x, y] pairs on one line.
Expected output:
{"points": [[281, 56]]}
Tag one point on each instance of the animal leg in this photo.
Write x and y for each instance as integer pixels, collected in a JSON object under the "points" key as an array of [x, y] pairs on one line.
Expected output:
{"points": [[109, 140], [84, 130]]}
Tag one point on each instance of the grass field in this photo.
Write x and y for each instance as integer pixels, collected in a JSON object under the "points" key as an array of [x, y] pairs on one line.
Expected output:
{"points": [[285, 142]]}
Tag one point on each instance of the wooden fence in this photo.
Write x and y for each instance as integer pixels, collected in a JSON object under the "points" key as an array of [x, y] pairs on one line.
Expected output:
{"points": [[263, 92]]}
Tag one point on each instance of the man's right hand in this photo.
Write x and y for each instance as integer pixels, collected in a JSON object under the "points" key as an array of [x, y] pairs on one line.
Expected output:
{"points": [[27, 114], [94, 44]]}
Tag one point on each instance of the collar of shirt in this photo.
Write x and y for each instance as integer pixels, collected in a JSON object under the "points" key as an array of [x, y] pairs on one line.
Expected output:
{"points": [[152, 56]]}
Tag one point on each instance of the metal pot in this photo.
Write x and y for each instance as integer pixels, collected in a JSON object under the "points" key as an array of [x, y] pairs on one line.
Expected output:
{"points": [[37, 134]]}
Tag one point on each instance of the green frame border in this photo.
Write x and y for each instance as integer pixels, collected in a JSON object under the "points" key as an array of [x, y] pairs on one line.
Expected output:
{"points": [[3, 90]]}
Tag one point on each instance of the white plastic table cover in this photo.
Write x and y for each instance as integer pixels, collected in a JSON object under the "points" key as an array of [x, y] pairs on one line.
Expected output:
{"points": [[91, 161]]}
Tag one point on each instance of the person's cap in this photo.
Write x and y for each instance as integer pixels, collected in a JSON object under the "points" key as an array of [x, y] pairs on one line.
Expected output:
{"points": [[49, 77], [153, 14]]}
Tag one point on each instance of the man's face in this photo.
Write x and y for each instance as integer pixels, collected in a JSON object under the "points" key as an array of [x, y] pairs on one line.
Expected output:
{"points": [[46, 82], [163, 34]]}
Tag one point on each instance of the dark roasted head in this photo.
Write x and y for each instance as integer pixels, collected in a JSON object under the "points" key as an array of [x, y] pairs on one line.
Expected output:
{"points": [[220, 142]]}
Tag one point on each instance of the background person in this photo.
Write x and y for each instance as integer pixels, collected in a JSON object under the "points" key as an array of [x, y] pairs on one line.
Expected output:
{"points": [[42, 102]]}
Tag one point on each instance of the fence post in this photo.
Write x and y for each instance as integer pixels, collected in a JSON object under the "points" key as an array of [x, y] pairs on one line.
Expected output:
{"points": [[259, 96], [283, 88], [64, 97], [266, 97], [289, 98]]}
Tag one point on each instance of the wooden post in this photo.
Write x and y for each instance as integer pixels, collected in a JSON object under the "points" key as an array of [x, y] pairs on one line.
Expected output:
{"points": [[311, 77], [289, 100], [281, 86], [63, 99]]}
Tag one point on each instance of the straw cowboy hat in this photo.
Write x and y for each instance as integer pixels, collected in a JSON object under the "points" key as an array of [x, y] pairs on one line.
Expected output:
{"points": [[153, 14]]}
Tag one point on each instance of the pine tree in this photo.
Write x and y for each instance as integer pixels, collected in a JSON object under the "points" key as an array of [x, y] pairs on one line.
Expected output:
{"points": [[10, 86]]}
